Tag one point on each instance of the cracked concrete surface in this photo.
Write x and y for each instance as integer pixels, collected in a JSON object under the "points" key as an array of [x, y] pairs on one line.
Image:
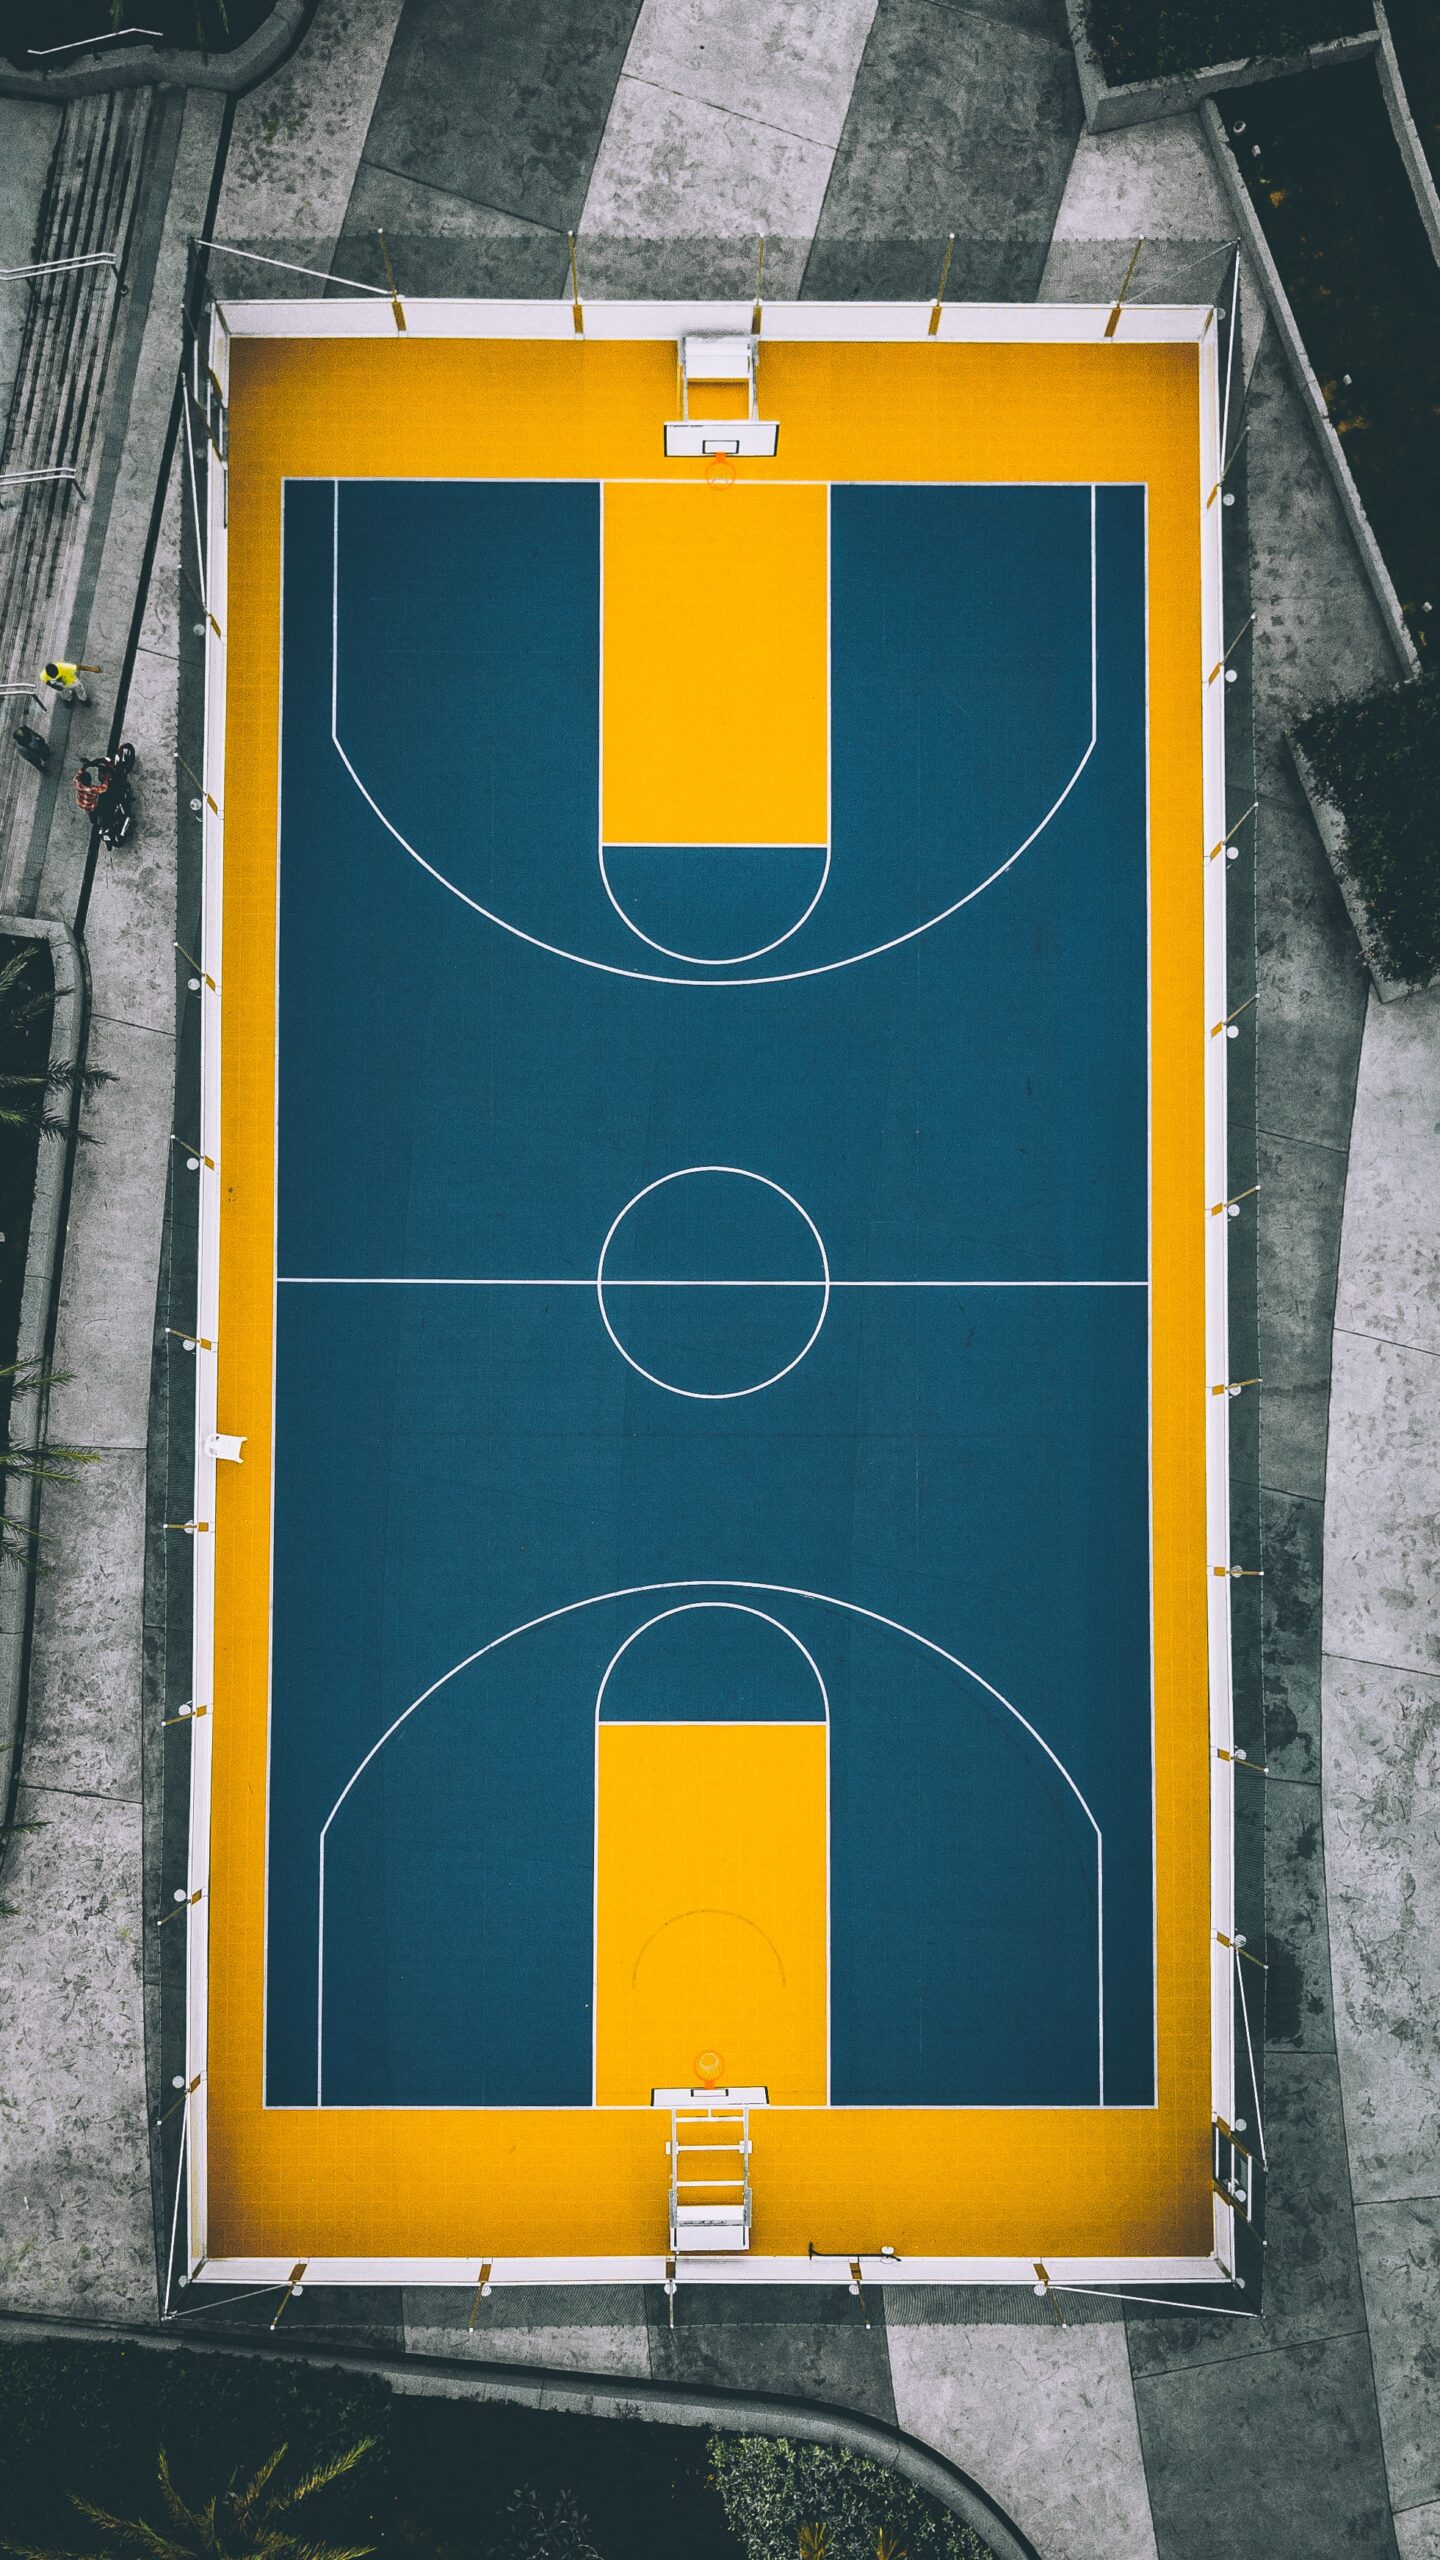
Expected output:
{"points": [[1382, 1727]]}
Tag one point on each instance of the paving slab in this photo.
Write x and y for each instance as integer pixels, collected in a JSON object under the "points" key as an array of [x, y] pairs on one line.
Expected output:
{"points": [[839, 2361], [526, 2306], [1311, 981], [445, 244], [112, 1248], [960, 121], [1319, 635], [786, 63], [74, 2154], [625, 2349], [1293, 1534], [1382, 1592], [1390, 1261], [1418, 2533], [130, 929], [1382, 1781], [296, 142], [82, 1731], [1301, 1190], [1156, 184], [1400, 2251], [681, 189], [1150, 182], [1044, 2419], [1277, 2458], [503, 105], [1296, 2000], [167, 592], [1312, 2271], [28, 132]]}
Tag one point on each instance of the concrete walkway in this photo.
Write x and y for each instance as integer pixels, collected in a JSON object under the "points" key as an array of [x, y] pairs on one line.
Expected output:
{"points": [[1381, 1760], [27, 141]]}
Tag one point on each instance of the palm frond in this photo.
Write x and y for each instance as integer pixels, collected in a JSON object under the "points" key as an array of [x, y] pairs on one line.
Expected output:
{"points": [[244, 2499], [133, 2532], [45, 1124], [297, 2550], [42, 1467], [33, 2551], [69, 1076], [175, 2504], [323, 2473]]}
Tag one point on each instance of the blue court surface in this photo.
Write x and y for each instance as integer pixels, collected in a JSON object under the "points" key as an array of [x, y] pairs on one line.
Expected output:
{"points": [[809, 1282]]}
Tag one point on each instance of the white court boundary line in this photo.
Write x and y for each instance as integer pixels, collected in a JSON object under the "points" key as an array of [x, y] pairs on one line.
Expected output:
{"points": [[1190, 325], [645, 1590], [653, 977]]}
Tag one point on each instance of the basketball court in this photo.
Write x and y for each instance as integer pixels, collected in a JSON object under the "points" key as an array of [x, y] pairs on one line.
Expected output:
{"points": [[711, 1542]]}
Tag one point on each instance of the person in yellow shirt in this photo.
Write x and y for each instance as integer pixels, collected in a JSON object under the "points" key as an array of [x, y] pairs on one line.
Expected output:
{"points": [[64, 677]]}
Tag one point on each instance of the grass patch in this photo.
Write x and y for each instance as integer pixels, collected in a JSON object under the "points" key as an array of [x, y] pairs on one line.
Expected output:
{"points": [[1379, 761], [1161, 39]]}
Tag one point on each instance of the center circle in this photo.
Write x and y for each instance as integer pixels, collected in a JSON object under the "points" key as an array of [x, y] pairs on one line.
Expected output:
{"points": [[713, 1283]]}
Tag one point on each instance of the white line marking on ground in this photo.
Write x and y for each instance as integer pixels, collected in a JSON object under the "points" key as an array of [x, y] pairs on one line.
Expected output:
{"points": [[379, 1280], [717, 1395]]}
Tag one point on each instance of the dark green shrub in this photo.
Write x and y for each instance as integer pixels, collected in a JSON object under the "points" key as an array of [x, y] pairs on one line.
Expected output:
{"points": [[781, 2498], [1379, 761], [536, 2528], [1158, 39]]}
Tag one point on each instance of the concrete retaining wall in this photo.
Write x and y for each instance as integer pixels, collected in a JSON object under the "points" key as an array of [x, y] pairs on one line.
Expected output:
{"points": [[1407, 136], [1288, 331], [1111, 104], [1330, 828], [672, 2404]]}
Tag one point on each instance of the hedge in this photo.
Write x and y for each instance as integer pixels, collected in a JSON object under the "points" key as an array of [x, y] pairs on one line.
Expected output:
{"points": [[781, 2499], [1160, 39]]}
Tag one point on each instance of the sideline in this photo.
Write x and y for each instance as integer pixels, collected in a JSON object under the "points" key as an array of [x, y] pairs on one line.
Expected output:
{"points": [[556, 2388]]}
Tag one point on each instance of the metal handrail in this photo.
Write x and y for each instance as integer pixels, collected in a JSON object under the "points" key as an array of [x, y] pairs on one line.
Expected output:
{"points": [[63, 266], [86, 44], [56, 471]]}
